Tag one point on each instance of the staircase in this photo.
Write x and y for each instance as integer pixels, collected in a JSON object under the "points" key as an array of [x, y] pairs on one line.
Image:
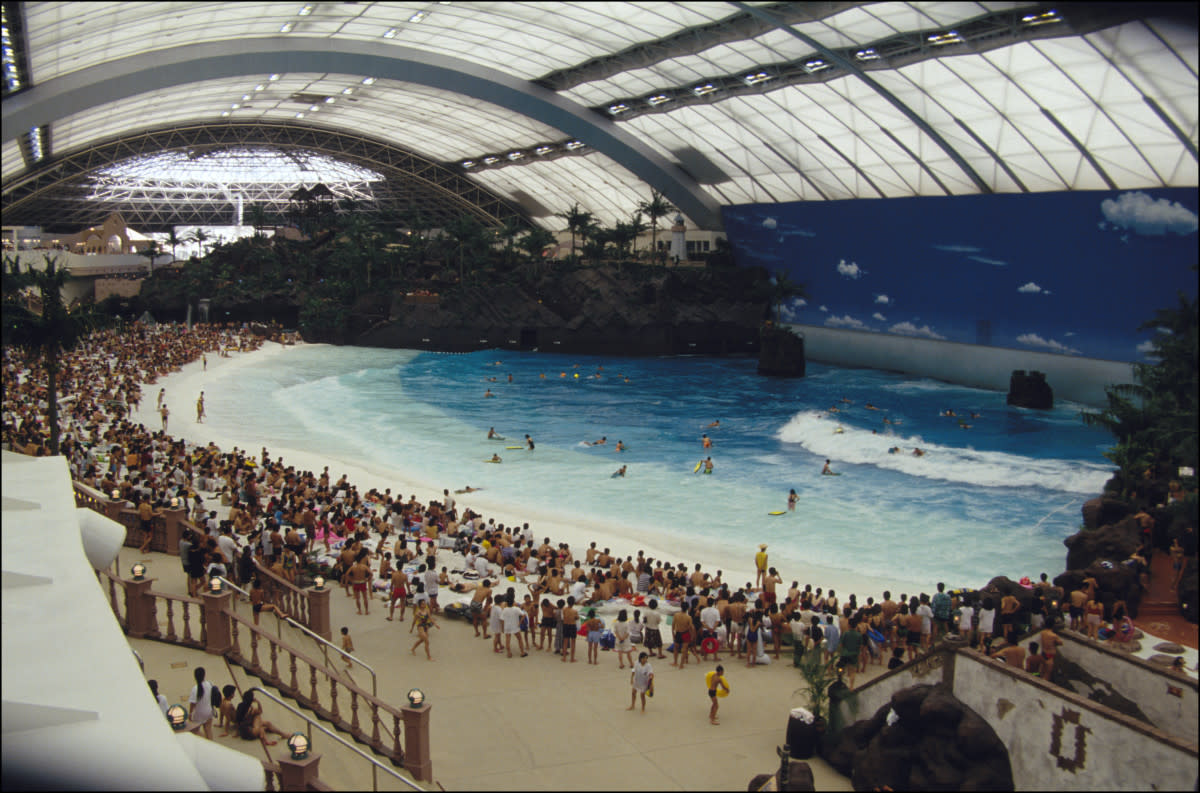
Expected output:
{"points": [[1159, 611]]}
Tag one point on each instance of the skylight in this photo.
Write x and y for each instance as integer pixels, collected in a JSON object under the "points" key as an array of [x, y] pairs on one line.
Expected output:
{"points": [[240, 166]]}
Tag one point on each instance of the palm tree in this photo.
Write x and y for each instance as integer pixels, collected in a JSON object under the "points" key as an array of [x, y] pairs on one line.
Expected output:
{"points": [[784, 289], [470, 237], [199, 236], [508, 232], [258, 218], [578, 222], [49, 333], [637, 225], [174, 240], [657, 207], [152, 252], [534, 244]]}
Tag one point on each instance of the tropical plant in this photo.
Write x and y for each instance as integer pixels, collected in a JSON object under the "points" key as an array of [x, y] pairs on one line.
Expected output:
{"points": [[818, 676], [508, 232], [47, 333], [258, 218], [471, 240], [657, 207], [199, 236], [174, 240], [578, 222], [152, 252], [1154, 418], [782, 290]]}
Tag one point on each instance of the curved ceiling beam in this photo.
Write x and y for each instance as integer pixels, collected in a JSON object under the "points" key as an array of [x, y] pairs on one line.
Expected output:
{"points": [[894, 100], [169, 68]]}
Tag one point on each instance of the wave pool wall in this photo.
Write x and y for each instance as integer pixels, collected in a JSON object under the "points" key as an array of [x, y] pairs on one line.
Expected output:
{"points": [[1071, 377]]}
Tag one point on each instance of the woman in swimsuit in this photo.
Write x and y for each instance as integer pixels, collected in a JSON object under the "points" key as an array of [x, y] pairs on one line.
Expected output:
{"points": [[422, 622]]}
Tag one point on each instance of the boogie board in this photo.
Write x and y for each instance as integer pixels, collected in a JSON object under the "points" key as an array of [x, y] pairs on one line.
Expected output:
{"points": [[780, 512], [514, 447], [699, 465], [488, 461]]}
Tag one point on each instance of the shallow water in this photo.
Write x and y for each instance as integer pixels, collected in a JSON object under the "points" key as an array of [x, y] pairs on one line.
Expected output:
{"points": [[997, 498]]}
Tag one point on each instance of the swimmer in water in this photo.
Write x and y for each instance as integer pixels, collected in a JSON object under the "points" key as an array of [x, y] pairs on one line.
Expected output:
{"points": [[510, 378], [620, 446], [496, 458], [716, 423], [834, 409], [492, 433], [792, 499], [600, 442], [620, 472], [467, 489], [826, 470], [893, 450], [976, 415], [529, 442], [708, 465], [488, 394], [869, 406], [706, 441], [918, 452], [949, 412]]}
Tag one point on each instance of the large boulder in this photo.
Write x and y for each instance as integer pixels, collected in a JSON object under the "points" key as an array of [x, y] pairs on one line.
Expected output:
{"points": [[1101, 511], [1030, 390], [934, 742], [1115, 542], [1114, 582]]}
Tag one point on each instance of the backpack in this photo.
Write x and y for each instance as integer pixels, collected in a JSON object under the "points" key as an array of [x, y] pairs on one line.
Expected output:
{"points": [[215, 697]]}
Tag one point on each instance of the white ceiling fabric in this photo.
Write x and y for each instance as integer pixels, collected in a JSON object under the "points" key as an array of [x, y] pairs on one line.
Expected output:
{"points": [[786, 143]]}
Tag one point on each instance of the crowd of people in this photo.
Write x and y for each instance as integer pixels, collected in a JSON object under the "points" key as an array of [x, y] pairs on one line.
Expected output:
{"points": [[248, 508]]}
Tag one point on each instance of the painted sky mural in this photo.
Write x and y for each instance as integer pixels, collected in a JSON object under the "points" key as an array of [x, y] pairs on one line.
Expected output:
{"points": [[1072, 273]]}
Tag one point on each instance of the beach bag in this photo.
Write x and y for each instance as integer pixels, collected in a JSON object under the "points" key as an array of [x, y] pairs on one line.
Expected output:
{"points": [[607, 640]]}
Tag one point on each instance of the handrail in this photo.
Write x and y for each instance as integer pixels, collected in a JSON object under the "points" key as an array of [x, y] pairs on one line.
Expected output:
{"points": [[375, 764], [300, 595], [321, 639]]}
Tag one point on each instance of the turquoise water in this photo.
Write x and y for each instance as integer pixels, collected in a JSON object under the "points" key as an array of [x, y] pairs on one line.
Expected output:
{"points": [[997, 498]]}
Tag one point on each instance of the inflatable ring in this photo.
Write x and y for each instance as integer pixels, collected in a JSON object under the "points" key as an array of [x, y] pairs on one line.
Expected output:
{"points": [[709, 645]]}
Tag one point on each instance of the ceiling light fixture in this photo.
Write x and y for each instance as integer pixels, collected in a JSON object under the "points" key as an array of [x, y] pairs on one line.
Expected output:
{"points": [[540, 150], [815, 65], [368, 81], [867, 55], [347, 91], [513, 156], [490, 160], [287, 27], [273, 78], [755, 78], [706, 88], [417, 17], [658, 99], [245, 97], [572, 145], [299, 115], [940, 39], [468, 163], [329, 100], [1044, 18], [314, 108], [390, 33], [617, 109], [308, 9]]}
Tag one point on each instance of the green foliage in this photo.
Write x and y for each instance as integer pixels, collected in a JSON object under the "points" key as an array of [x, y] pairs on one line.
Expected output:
{"points": [[818, 676], [1154, 418], [657, 207]]}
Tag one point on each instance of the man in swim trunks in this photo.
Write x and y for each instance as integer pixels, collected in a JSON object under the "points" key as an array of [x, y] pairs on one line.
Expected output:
{"points": [[480, 602], [570, 626], [399, 592], [708, 465], [760, 565], [826, 470], [681, 624], [715, 680], [1079, 599], [359, 575], [1050, 645], [769, 581]]}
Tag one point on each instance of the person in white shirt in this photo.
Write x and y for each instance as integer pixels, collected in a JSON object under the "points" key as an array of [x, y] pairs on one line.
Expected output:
{"points": [[642, 680], [200, 702], [579, 590], [163, 704], [511, 619]]}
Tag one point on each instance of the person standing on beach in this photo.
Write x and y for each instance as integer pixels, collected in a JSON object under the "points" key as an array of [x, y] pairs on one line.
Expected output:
{"points": [[570, 626], [642, 680], [422, 622], [653, 635], [715, 682], [760, 565], [681, 626], [164, 413], [162, 395], [200, 409]]}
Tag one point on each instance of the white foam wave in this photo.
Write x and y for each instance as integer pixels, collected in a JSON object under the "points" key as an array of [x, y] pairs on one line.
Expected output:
{"points": [[815, 432]]}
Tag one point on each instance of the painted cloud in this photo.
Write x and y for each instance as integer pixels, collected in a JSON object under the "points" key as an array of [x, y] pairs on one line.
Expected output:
{"points": [[850, 269], [1034, 340], [883, 299], [1142, 214], [846, 322], [959, 248], [909, 329], [1029, 289], [879, 317]]}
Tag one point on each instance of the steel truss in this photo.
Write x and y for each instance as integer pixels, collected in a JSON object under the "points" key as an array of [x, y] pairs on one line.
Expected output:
{"points": [[58, 195]]}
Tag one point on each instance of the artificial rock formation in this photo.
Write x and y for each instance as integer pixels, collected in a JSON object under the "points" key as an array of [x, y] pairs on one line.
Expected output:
{"points": [[1114, 542], [1030, 390], [934, 742], [781, 352]]}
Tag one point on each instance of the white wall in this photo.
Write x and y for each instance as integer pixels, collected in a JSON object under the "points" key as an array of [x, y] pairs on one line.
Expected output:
{"points": [[1112, 753], [1071, 377]]}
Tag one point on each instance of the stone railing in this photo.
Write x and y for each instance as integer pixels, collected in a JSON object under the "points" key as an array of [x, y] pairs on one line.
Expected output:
{"points": [[309, 607], [210, 623]]}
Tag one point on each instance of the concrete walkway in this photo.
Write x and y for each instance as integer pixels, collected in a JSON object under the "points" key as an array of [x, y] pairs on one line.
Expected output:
{"points": [[528, 723]]}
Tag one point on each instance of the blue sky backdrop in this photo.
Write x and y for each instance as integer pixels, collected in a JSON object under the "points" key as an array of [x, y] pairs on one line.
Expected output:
{"points": [[1072, 273]]}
